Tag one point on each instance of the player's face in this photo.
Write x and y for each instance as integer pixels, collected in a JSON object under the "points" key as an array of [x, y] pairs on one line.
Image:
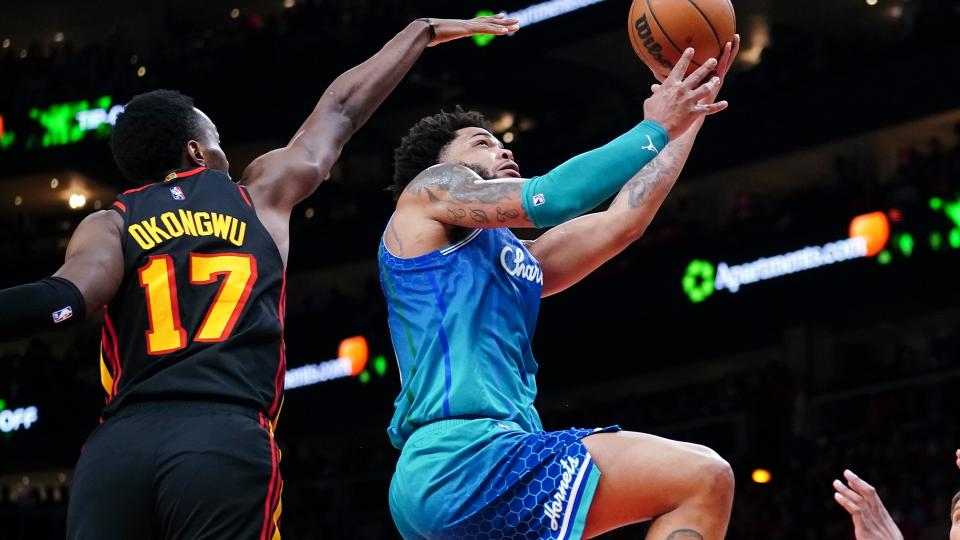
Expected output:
{"points": [[481, 151], [209, 147]]}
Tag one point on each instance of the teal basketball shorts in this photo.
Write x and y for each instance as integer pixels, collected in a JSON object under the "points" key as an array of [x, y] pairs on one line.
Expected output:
{"points": [[484, 478]]}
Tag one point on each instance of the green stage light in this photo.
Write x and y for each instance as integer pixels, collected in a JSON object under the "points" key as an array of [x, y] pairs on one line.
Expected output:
{"points": [[364, 377], [906, 244], [380, 366], [884, 257], [936, 203], [936, 240], [955, 238]]}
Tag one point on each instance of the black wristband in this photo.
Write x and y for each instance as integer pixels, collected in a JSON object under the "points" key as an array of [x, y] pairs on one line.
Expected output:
{"points": [[433, 31], [50, 303]]}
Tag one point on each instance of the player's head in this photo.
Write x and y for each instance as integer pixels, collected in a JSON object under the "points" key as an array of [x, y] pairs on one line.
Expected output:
{"points": [[955, 517], [161, 131], [451, 137]]}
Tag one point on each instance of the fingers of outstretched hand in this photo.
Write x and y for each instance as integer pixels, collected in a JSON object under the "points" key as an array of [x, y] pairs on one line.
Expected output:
{"points": [[705, 89], [493, 27], [847, 505], [847, 493], [680, 68], [859, 485], [499, 18], [723, 63], [712, 108], [656, 87], [697, 77]]}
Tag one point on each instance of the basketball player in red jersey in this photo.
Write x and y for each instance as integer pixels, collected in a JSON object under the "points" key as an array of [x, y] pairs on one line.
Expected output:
{"points": [[190, 269]]}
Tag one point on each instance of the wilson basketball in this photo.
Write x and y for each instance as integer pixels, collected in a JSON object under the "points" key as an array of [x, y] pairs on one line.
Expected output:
{"points": [[660, 30]]}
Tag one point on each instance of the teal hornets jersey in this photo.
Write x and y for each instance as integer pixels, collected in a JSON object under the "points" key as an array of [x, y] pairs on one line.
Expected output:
{"points": [[462, 319]]}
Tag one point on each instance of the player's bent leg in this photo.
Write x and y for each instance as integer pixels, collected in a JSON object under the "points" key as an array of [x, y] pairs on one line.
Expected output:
{"points": [[685, 488]]}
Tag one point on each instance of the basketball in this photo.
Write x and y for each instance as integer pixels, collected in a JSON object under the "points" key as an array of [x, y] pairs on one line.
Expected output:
{"points": [[660, 30]]}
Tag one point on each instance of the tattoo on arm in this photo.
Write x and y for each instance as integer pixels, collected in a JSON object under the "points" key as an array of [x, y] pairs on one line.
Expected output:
{"points": [[685, 534], [461, 190], [665, 167], [504, 215]]}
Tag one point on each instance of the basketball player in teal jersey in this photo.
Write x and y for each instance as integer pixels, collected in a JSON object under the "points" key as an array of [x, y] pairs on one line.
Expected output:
{"points": [[189, 269], [463, 295]]}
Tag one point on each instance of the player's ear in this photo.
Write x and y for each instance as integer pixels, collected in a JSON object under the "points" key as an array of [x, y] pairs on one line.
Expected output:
{"points": [[195, 153]]}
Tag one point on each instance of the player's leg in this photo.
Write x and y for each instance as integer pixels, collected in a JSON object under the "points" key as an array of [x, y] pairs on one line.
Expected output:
{"points": [[687, 489], [218, 476], [111, 496]]}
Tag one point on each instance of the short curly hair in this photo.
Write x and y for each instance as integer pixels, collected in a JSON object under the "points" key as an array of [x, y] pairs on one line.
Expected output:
{"points": [[426, 140], [151, 132]]}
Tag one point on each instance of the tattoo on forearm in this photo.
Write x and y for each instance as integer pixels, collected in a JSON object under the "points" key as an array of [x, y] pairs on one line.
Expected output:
{"points": [[685, 534], [479, 216], [456, 214], [665, 167], [504, 215]]}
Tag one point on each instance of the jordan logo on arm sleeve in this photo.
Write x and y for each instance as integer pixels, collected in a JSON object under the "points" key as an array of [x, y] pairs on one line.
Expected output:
{"points": [[651, 147]]}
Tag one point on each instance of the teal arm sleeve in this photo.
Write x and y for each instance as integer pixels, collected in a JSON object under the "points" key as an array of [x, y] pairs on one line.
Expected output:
{"points": [[581, 183]]}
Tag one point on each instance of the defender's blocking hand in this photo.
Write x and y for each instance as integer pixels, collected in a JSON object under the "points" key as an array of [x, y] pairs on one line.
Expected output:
{"points": [[451, 29]]}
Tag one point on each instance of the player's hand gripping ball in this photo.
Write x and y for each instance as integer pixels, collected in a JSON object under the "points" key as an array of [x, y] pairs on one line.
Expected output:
{"points": [[660, 30]]}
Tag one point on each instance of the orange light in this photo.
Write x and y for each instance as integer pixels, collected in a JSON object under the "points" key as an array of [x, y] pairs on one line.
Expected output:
{"points": [[761, 476], [872, 227], [1, 125], [354, 348]]}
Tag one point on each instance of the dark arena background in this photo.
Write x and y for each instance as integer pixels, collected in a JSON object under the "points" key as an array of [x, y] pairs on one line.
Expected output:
{"points": [[740, 320]]}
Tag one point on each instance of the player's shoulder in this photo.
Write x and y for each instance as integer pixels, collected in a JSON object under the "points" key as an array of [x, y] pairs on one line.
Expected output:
{"points": [[102, 220]]}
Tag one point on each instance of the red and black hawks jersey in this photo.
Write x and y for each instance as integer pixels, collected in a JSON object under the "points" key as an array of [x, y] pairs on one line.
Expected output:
{"points": [[199, 315]]}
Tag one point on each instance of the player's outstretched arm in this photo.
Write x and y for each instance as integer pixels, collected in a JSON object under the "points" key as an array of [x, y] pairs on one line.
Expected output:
{"points": [[871, 521], [282, 178], [454, 195], [88, 279], [572, 250]]}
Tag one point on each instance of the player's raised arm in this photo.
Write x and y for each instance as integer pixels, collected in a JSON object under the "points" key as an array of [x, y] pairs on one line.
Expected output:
{"points": [[572, 250], [88, 279], [453, 194], [871, 521], [282, 178]]}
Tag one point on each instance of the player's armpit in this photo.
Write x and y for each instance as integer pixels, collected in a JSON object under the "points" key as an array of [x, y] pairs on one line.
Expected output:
{"points": [[94, 260], [455, 195]]}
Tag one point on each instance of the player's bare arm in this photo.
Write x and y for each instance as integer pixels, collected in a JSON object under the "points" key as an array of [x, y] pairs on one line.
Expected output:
{"points": [[456, 195], [571, 251], [90, 275], [280, 179]]}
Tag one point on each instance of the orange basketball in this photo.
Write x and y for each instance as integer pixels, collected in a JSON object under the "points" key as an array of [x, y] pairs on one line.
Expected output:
{"points": [[660, 30]]}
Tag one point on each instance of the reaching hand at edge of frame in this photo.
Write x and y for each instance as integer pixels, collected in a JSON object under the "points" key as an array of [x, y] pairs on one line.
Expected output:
{"points": [[871, 521], [451, 29]]}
